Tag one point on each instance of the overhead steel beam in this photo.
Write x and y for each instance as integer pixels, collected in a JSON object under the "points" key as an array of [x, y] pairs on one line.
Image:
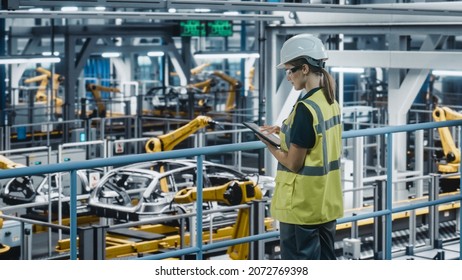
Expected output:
{"points": [[135, 15], [374, 28], [148, 30], [444, 60], [449, 10], [435, 9], [422, 9], [146, 4], [302, 17]]}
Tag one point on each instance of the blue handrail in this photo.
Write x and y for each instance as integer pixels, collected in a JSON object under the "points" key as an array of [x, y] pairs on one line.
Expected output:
{"points": [[72, 167]]}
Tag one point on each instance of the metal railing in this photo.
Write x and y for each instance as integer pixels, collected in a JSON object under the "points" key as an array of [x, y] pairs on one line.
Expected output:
{"points": [[199, 248]]}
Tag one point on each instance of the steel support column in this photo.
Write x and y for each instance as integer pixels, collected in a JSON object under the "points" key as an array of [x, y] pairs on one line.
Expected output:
{"points": [[257, 226], [2, 78], [92, 243]]}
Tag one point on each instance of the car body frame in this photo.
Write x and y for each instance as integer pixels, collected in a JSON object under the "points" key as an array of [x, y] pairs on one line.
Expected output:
{"points": [[146, 190]]}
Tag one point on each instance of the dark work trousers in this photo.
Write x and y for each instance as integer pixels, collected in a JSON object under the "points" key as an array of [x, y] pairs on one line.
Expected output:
{"points": [[307, 242]]}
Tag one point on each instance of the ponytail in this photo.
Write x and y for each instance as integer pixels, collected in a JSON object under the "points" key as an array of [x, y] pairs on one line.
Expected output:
{"points": [[328, 86]]}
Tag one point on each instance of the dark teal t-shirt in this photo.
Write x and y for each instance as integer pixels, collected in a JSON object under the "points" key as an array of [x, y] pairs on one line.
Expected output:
{"points": [[302, 132]]}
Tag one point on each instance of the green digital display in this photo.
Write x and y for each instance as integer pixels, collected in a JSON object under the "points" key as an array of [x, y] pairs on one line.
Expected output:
{"points": [[192, 28], [217, 28]]}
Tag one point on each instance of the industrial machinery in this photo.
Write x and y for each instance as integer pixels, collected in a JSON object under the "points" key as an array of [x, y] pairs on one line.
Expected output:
{"points": [[3, 248], [194, 71], [451, 152], [231, 193], [251, 76], [451, 160], [17, 190], [135, 193], [6, 163], [44, 79], [96, 90], [169, 101], [204, 87], [234, 87], [168, 141], [35, 188], [179, 101]]}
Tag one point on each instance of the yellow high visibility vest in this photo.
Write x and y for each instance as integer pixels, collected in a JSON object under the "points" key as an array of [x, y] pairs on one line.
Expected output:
{"points": [[314, 194]]}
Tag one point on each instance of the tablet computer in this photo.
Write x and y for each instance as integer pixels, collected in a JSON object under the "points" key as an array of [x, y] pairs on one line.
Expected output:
{"points": [[271, 138]]}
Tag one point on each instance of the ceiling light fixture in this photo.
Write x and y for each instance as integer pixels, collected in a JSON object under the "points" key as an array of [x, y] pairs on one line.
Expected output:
{"points": [[200, 10], [36, 10], [231, 13], [347, 70], [49, 53], [69, 9], [23, 60], [156, 54], [225, 55], [447, 73], [110, 54]]}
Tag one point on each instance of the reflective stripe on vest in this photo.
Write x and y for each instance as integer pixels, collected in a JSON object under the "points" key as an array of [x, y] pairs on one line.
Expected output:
{"points": [[322, 126]]}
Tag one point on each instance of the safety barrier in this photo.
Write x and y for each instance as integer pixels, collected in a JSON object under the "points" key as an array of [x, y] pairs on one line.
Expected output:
{"points": [[72, 167]]}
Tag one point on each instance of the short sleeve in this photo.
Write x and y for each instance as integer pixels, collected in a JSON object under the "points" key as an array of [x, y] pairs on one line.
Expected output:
{"points": [[302, 131]]}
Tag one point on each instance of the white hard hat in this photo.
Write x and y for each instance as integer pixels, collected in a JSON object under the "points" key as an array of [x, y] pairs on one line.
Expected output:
{"points": [[302, 45]]}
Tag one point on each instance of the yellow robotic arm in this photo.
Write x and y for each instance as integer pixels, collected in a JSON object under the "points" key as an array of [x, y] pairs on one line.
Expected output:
{"points": [[231, 193], [57, 79], [196, 70], [168, 141], [251, 75], [233, 87], [96, 91], [204, 85], [3, 248], [451, 152], [6, 163], [41, 92], [43, 79]]}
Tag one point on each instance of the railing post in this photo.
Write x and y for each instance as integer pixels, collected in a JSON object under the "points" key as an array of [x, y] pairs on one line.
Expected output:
{"points": [[199, 199], [379, 237], [92, 243], [433, 219], [26, 242], [412, 233], [354, 228], [358, 171], [460, 206], [389, 196], [73, 215], [419, 160], [257, 226], [182, 232]]}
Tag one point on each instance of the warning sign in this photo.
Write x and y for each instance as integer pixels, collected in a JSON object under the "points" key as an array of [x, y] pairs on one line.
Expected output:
{"points": [[94, 179], [119, 148]]}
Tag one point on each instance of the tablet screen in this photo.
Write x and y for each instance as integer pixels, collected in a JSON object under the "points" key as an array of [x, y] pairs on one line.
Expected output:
{"points": [[271, 138]]}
